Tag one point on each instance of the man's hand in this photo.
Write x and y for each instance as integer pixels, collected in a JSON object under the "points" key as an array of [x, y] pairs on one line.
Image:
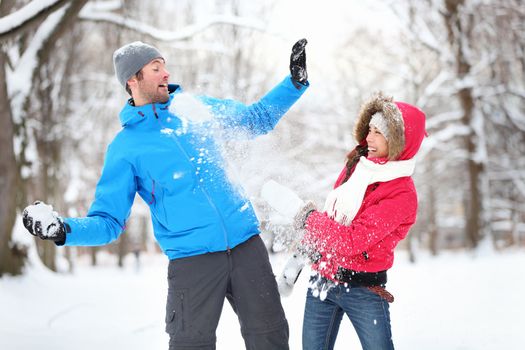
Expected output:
{"points": [[41, 221], [298, 63]]}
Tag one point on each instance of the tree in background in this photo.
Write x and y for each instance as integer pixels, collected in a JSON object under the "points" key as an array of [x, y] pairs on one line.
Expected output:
{"points": [[29, 40], [471, 84]]}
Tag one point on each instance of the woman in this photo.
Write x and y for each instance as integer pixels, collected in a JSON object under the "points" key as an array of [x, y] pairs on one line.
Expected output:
{"points": [[370, 210]]}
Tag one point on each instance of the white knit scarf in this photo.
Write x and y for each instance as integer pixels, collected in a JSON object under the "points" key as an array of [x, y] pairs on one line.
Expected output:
{"points": [[343, 203]]}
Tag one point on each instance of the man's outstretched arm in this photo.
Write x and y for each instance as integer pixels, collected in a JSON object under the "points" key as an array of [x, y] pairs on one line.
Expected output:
{"points": [[262, 116]]}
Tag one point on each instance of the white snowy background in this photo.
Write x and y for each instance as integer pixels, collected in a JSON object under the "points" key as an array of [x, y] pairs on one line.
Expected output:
{"points": [[456, 301], [459, 299]]}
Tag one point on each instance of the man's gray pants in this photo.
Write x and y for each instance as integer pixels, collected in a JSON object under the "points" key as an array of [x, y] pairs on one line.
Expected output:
{"points": [[197, 286]]}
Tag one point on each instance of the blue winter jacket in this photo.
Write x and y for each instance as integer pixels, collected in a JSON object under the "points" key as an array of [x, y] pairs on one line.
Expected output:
{"points": [[178, 171]]}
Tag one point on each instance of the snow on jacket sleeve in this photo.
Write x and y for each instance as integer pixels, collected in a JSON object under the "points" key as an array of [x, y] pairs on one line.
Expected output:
{"points": [[260, 117], [369, 227], [109, 211]]}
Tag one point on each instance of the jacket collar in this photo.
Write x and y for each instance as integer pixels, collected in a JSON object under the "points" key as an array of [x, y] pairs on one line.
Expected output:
{"points": [[130, 114]]}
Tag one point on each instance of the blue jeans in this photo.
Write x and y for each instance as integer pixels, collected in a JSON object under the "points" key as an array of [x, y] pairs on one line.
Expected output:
{"points": [[367, 311]]}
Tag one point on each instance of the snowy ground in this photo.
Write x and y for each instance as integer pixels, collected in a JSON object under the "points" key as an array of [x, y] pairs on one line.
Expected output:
{"points": [[455, 301]]}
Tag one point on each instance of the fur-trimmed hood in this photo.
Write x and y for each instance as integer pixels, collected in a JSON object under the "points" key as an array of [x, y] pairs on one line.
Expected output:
{"points": [[405, 123]]}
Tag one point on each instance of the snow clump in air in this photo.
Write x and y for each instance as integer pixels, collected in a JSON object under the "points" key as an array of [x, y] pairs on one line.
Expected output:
{"points": [[190, 109]]}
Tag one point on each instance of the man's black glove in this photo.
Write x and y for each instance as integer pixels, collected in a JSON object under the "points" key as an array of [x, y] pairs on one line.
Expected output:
{"points": [[298, 63], [41, 221]]}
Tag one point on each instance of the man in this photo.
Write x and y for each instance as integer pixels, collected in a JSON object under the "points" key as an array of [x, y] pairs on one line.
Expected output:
{"points": [[201, 221]]}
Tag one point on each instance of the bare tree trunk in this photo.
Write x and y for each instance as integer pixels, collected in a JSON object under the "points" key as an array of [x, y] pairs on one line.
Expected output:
{"points": [[69, 257], [143, 243], [122, 248], [93, 252], [432, 224], [48, 153], [473, 225], [458, 36], [12, 257], [44, 109], [237, 53]]}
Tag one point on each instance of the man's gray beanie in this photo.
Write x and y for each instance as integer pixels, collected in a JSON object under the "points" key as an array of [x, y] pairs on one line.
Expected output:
{"points": [[130, 58]]}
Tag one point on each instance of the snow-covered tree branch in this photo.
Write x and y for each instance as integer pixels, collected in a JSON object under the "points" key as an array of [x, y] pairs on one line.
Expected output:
{"points": [[93, 13], [30, 14]]}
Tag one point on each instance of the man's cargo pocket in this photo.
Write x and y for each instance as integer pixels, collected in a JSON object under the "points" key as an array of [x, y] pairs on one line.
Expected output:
{"points": [[177, 311]]}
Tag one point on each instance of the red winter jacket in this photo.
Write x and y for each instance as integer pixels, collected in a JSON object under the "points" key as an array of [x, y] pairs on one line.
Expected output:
{"points": [[387, 212]]}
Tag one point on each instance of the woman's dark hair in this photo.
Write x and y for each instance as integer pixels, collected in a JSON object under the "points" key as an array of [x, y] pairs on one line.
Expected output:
{"points": [[352, 158]]}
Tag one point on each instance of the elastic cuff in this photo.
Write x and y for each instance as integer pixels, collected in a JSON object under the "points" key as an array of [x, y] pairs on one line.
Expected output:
{"points": [[67, 230], [298, 85], [306, 217]]}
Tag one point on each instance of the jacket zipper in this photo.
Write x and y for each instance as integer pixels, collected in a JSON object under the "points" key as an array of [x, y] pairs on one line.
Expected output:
{"points": [[155, 111], [206, 194]]}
